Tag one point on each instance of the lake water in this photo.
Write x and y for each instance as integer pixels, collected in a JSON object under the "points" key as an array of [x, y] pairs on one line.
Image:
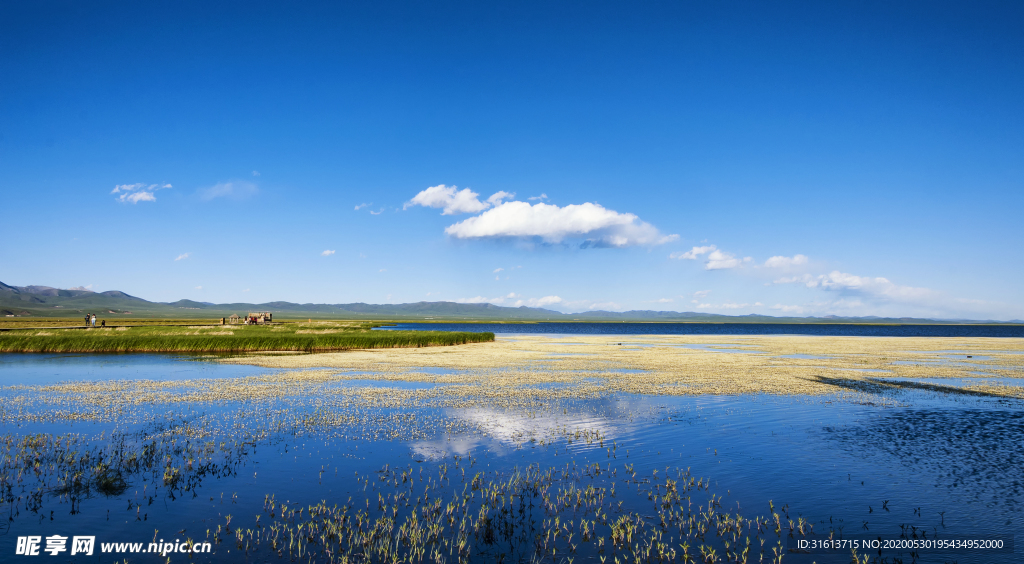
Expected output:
{"points": [[874, 465], [824, 329]]}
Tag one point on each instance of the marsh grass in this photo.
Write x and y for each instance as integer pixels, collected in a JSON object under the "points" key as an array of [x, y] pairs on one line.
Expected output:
{"points": [[228, 339]]}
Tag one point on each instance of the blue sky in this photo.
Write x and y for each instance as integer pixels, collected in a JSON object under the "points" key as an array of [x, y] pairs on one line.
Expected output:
{"points": [[217, 153]]}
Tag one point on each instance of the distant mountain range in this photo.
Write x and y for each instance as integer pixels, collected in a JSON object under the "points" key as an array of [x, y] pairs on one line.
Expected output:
{"points": [[44, 301]]}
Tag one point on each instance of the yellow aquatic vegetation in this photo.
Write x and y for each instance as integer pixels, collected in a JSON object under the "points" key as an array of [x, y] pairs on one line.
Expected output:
{"points": [[683, 365]]}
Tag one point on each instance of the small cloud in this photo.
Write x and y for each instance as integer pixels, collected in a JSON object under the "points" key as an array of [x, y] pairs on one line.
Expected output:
{"points": [[729, 305], [199, 287], [788, 308], [519, 301], [540, 302], [497, 270], [361, 206], [136, 197], [693, 253], [255, 173], [383, 270], [701, 293], [82, 288], [183, 256], [327, 253], [497, 197], [139, 192], [665, 300], [717, 260], [605, 306], [478, 300], [246, 290], [541, 197], [450, 198], [785, 262], [235, 190], [126, 187], [378, 212]]}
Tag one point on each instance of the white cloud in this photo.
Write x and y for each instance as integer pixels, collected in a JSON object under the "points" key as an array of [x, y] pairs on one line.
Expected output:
{"points": [[605, 306], [136, 197], [361, 206], [183, 256], [255, 173], [785, 262], [729, 305], [598, 225], [788, 308], [497, 197], [541, 197], [383, 270], [199, 287], [82, 288], [246, 290], [126, 187], [139, 192], [482, 300], [701, 293], [235, 190], [693, 253], [327, 253], [665, 300], [836, 280], [478, 300], [718, 260], [876, 287], [452, 200], [497, 270], [541, 302], [507, 300]]}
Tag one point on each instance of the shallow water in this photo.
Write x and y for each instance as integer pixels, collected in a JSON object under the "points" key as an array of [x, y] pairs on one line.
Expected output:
{"points": [[19, 368], [856, 465], [585, 328]]}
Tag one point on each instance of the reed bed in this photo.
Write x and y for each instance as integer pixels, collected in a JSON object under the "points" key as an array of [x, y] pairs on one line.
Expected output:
{"points": [[227, 339]]}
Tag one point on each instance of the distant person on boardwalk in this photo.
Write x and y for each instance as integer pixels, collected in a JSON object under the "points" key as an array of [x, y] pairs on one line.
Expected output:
{"points": [[87, 320], [103, 323], [94, 320]]}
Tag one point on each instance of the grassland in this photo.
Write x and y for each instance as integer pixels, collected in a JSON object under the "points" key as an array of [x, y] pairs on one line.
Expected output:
{"points": [[296, 337]]}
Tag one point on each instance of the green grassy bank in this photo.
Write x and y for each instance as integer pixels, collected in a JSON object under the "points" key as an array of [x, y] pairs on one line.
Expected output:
{"points": [[304, 337]]}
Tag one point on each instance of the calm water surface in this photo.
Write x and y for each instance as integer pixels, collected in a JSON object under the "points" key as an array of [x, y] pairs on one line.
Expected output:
{"points": [[948, 465], [824, 329]]}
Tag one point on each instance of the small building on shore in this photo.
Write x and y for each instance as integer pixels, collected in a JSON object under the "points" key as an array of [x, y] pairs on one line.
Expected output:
{"points": [[260, 318]]}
